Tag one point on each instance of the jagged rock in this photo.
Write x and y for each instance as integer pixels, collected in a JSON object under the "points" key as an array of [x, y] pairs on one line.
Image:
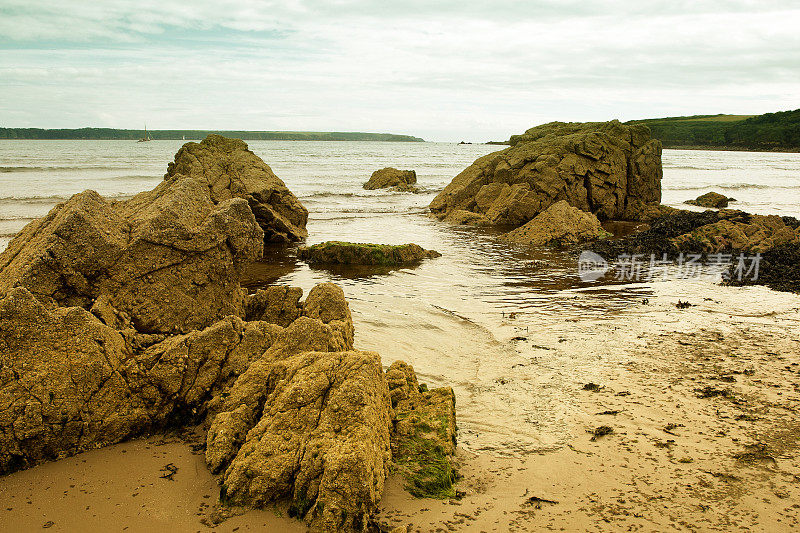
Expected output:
{"points": [[714, 200], [165, 261], [398, 180], [424, 433], [759, 234], [560, 224], [322, 439], [350, 253], [69, 383], [609, 169], [275, 304], [229, 170]]}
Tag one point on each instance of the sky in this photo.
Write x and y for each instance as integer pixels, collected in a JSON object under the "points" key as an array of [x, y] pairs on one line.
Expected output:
{"points": [[442, 70]]}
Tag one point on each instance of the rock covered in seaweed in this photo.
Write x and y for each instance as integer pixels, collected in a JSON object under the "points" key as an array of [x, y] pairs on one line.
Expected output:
{"points": [[392, 178], [559, 225], [606, 168], [712, 199], [351, 253], [424, 433], [230, 170]]}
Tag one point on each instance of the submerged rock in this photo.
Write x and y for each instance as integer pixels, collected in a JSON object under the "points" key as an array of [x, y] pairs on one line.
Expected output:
{"points": [[424, 435], [711, 199], [230, 170], [350, 253], [398, 180], [606, 168], [559, 225]]}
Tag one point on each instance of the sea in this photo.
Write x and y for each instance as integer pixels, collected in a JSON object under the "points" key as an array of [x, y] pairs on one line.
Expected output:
{"points": [[444, 315]]}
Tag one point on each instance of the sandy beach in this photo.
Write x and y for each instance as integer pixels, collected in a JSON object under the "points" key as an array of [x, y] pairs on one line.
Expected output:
{"points": [[701, 404]]}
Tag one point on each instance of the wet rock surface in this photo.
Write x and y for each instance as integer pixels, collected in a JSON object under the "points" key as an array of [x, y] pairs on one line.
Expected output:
{"points": [[712, 199], [351, 253], [558, 225], [392, 178], [605, 168], [230, 170], [118, 319]]}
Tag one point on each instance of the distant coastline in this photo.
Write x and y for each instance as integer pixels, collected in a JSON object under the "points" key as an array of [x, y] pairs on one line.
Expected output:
{"points": [[111, 134]]}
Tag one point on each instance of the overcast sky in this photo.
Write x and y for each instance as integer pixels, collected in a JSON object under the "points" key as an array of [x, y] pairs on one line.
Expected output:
{"points": [[447, 70]]}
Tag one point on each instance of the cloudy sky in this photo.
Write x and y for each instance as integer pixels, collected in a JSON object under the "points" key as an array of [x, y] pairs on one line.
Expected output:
{"points": [[442, 70]]}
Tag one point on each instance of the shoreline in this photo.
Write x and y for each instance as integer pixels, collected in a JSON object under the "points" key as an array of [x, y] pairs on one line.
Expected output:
{"points": [[704, 435]]}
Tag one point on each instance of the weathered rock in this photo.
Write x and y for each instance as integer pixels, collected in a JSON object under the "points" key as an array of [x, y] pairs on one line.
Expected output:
{"points": [[230, 170], [559, 225], [276, 304], [424, 433], [322, 439], [759, 234], [166, 261], [461, 217], [712, 199], [608, 169], [350, 253], [69, 383], [399, 180]]}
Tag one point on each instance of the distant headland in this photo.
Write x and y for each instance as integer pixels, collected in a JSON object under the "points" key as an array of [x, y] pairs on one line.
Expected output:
{"points": [[100, 134], [770, 132]]}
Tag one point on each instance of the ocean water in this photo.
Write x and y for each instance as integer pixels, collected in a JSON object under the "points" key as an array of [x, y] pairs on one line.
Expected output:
{"points": [[442, 316]]}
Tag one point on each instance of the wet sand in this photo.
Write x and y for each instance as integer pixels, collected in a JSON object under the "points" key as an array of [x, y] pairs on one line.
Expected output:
{"points": [[702, 404]]}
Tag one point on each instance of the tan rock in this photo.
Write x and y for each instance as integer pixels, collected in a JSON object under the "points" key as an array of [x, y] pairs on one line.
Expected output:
{"points": [[275, 304], [230, 170], [560, 224], [166, 261], [608, 168], [399, 180], [712, 199], [322, 440], [760, 234]]}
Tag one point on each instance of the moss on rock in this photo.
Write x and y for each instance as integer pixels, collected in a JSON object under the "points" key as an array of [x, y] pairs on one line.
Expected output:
{"points": [[350, 253]]}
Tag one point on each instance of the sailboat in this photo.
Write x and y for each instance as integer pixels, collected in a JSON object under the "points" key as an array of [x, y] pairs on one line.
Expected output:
{"points": [[146, 136]]}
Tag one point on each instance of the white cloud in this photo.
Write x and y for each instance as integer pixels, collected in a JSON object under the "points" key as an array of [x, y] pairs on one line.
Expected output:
{"points": [[442, 70]]}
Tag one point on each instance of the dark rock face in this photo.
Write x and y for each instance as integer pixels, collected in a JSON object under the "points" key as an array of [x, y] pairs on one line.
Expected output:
{"points": [[606, 168], [350, 253], [230, 170], [713, 200], [391, 178]]}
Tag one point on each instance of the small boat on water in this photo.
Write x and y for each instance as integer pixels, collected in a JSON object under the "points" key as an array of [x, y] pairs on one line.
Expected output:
{"points": [[146, 136]]}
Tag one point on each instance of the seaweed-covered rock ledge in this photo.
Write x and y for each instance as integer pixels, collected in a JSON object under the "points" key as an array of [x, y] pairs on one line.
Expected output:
{"points": [[119, 319], [352, 253]]}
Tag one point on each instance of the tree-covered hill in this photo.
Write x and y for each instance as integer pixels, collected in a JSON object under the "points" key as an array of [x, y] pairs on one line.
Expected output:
{"points": [[132, 135], [771, 131]]}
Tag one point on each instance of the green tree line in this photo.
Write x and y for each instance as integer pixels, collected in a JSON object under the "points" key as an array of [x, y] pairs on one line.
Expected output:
{"points": [[132, 135]]}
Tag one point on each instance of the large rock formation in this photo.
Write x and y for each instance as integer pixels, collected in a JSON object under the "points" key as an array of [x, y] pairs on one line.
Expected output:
{"points": [[606, 168], [122, 318], [229, 170], [166, 261], [558, 225], [392, 178]]}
